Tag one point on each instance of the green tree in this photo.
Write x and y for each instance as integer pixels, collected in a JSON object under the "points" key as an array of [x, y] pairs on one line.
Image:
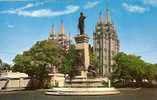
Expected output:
{"points": [[121, 69], [130, 67], [155, 65], [95, 66], [71, 62], [150, 72], [94, 63], [35, 61], [0, 61], [4, 66], [0, 64]]}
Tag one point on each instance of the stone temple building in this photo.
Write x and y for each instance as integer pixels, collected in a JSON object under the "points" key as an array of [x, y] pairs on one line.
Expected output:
{"points": [[61, 37], [106, 44]]}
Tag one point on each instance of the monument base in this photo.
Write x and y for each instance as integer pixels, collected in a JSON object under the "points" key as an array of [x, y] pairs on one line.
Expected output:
{"points": [[83, 83], [82, 91], [57, 79], [82, 47], [81, 39]]}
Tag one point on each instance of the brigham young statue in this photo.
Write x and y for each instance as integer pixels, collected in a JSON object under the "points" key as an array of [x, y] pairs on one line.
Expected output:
{"points": [[81, 23]]}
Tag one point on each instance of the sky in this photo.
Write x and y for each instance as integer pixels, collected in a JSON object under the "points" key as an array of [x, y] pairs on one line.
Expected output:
{"points": [[24, 22]]}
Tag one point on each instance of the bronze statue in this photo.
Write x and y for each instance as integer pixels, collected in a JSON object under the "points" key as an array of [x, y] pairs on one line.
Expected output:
{"points": [[81, 23]]}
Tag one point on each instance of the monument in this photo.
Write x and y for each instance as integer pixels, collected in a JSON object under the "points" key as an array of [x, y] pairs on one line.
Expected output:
{"points": [[80, 85], [82, 46]]}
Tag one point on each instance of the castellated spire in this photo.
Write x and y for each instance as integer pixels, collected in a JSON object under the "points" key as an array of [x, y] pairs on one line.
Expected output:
{"points": [[105, 43], [52, 34], [62, 27], [107, 14], [100, 21], [108, 19]]}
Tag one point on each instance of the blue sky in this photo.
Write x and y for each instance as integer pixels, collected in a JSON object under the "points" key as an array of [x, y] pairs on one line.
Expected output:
{"points": [[23, 22]]}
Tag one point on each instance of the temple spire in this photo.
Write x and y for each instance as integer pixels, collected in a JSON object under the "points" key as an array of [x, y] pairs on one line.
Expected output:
{"points": [[62, 27], [53, 30], [100, 19], [108, 18], [52, 33]]}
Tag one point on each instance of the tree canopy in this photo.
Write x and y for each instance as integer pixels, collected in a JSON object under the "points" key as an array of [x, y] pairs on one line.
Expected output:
{"points": [[71, 62], [4, 66], [35, 61], [130, 67]]}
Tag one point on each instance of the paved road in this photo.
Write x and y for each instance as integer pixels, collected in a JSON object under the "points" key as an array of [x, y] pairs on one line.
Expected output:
{"points": [[143, 94]]}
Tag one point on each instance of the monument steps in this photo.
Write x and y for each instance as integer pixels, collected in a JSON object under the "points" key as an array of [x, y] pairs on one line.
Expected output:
{"points": [[82, 91]]}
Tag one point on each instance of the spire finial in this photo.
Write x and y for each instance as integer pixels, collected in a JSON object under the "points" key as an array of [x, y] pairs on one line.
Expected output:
{"points": [[62, 27], [100, 18], [108, 19], [69, 39], [52, 33], [53, 29]]}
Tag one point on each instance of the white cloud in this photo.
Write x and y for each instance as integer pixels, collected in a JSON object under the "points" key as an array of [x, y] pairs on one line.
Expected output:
{"points": [[133, 8], [91, 4], [41, 12], [26, 6], [150, 2], [30, 5], [10, 26]]}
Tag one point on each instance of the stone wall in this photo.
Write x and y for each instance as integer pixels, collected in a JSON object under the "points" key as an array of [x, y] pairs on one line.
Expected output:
{"points": [[14, 83]]}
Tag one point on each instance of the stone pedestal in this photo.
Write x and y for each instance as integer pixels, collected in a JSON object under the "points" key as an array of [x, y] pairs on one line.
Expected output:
{"points": [[57, 79], [83, 46]]}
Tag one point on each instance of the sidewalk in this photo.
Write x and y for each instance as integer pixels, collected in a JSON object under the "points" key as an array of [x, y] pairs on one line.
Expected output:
{"points": [[12, 89]]}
